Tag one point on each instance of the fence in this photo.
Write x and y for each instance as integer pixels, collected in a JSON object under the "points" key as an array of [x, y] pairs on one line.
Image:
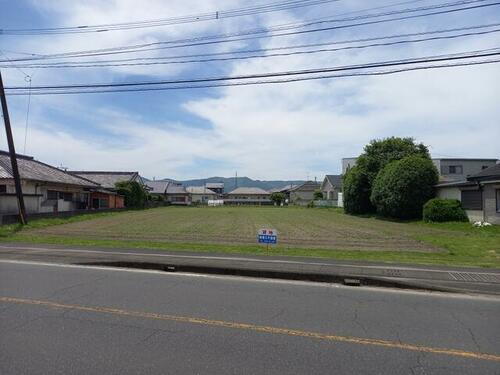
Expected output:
{"points": [[325, 203], [14, 218]]}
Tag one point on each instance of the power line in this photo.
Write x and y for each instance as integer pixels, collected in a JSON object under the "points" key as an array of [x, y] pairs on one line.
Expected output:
{"points": [[27, 78], [296, 46], [205, 40], [276, 81], [87, 64], [215, 15], [383, 64], [18, 68], [294, 24]]}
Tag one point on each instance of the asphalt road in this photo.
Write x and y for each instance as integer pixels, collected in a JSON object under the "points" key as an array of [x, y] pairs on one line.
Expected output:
{"points": [[80, 320], [461, 279]]}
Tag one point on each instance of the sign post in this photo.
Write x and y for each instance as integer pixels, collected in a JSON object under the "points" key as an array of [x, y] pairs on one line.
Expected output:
{"points": [[267, 236]]}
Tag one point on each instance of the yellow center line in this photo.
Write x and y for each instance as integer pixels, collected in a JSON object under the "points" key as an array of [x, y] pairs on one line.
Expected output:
{"points": [[257, 328]]}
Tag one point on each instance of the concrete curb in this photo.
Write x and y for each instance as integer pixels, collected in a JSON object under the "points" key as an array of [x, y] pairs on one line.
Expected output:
{"points": [[445, 279]]}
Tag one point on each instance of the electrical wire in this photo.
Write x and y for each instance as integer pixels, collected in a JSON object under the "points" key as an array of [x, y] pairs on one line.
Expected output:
{"points": [[383, 64], [27, 78], [288, 80], [205, 40], [120, 64], [215, 15]]}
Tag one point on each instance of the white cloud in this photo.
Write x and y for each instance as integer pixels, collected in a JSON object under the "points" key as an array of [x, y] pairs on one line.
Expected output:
{"points": [[271, 131]]}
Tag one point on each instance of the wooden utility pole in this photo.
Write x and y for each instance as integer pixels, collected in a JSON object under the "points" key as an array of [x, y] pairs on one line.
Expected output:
{"points": [[12, 151]]}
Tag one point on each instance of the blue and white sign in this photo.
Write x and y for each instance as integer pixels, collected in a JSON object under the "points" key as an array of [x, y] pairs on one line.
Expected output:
{"points": [[268, 236]]}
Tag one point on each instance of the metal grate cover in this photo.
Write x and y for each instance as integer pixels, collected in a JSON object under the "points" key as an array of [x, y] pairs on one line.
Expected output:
{"points": [[477, 277]]}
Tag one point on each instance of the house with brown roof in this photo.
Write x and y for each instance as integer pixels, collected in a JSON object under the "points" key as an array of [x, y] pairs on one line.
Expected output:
{"points": [[107, 180], [45, 188], [248, 196]]}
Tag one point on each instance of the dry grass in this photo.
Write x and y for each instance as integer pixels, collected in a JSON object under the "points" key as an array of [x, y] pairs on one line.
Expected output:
{"points": [[297, 227]]}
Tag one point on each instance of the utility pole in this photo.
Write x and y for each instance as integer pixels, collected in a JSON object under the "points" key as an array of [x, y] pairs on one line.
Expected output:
{"points": [[13, 160]]}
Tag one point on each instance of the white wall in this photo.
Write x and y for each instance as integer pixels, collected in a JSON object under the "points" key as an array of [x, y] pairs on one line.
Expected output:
{"points": [[451, 192], [475, 215], [33, 204]]}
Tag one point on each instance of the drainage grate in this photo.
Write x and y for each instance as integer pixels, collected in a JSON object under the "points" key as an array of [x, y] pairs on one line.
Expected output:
{"points": [[478, 277]]}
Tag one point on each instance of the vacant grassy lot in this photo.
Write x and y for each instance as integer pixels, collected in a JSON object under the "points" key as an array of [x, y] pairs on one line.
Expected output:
{"points": [[302, 232]]}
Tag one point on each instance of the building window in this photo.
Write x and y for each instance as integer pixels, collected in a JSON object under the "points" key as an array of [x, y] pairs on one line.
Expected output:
{"points": [[484, 167], [455, 169], [52, 195], [68, 197], [498, 199], [3, 188], [103, 203], [472, 199]]}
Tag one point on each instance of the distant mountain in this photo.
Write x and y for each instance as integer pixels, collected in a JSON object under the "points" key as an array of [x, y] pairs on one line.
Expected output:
{"points": [[230, 182]]}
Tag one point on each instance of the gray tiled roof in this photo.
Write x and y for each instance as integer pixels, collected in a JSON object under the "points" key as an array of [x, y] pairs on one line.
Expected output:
{"points": [[307, 186], [215, 185], [199, 190], [455, 184], [176, 189], [492, 172], [108, 179], [157, 187], [31, 169], [248, 191], [283, 189], [335, 179]]}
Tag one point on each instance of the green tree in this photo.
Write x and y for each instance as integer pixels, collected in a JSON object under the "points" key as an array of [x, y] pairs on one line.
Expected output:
{"points": [[380, 152], [356, 190], [135, 193], [318, 195], [377, 154], [278, 198], [402, 187]]}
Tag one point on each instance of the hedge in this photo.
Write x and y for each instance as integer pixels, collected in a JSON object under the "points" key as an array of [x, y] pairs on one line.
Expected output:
{"points": [[439, 210]]}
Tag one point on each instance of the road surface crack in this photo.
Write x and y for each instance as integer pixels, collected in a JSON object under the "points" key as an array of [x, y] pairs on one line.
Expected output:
{"points": [[471, 334], [62, 290], [358, 323]]}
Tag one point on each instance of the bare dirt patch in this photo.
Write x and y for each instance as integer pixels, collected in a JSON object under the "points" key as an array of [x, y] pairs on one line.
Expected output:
{"points": [[297, 227]]}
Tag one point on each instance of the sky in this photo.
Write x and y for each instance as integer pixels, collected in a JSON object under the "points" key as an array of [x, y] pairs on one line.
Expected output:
{"points": [[295, 130]]}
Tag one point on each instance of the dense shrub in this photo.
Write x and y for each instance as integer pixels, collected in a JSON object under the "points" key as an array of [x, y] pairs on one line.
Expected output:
{"points": [[356, 190], [401, 189], [318, 195], [278, 198], [135, 193], [438, 210]]}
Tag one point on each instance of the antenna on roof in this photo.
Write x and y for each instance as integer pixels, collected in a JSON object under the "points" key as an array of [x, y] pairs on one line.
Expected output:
{"points": [[236, 180], [63, 168]]}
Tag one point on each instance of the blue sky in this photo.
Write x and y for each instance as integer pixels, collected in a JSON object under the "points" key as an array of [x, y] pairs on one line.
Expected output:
{"points": [[265, 132]]}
